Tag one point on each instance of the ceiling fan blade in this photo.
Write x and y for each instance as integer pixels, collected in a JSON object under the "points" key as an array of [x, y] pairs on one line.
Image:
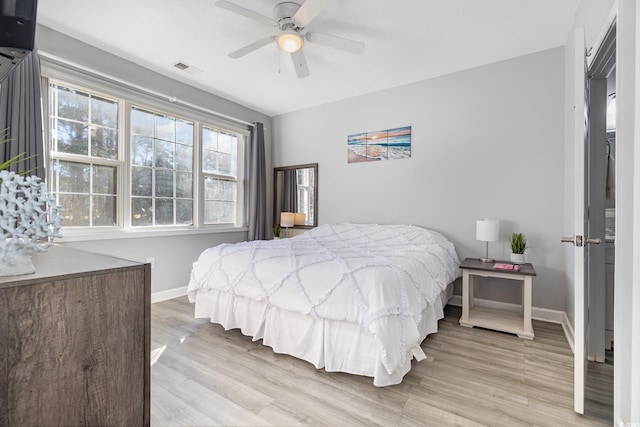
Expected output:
{"points": [[251, 47], [309, 10], [300, 64], [336, 42], [232, 7]]}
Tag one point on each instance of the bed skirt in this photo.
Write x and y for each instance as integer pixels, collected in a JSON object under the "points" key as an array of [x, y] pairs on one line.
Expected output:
{"points": [[336, 346]]}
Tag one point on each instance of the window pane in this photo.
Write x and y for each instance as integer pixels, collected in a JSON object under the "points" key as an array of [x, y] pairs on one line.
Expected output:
{"points": [[104, 112], [141, 122], [142, 150], [229, 191], [184, 132], [104, 143], [141, 181], [224, 163], [104, 211], [164, 183], [184, 157], [211, 188], [210, 212], [87, 127], [168, 151], [209, 161], [72, 137], [104, 179], [184, 183], [141, 212], [226, 211], [209, 139], [72, 177], [184, 209], [220, 197], [76, 209], [164, 154], [165, 128], [225, 143], [73, 104], [164, 211]]}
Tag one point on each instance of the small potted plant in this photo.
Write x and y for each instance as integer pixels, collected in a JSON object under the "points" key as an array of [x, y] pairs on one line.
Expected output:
{"points": [[276, 231], [518, 246]]}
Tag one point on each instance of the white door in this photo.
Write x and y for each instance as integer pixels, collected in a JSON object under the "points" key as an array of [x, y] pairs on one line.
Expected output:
{"points": [[580, 120]]}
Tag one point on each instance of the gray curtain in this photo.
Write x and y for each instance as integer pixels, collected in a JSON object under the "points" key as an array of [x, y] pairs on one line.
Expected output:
{"points": [[257, 177], [21, 114], [290, 191]]}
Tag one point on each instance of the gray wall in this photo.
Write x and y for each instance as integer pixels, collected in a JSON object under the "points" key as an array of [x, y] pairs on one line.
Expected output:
{"points": [[173, 255], [486, 143]]}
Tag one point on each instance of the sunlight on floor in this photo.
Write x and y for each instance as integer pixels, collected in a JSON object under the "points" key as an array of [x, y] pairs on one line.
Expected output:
{"points": [[155, 354]]}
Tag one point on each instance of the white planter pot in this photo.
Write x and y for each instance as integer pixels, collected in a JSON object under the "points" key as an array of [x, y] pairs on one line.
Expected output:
{"points": [[517, 258]]}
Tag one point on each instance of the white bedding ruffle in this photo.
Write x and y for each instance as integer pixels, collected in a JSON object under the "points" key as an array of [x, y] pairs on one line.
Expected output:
{"points": [[380, 278], [334, 345]]}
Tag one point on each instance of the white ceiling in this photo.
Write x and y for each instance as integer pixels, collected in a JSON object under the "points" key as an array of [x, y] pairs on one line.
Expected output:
{"points": [[406, 41]]}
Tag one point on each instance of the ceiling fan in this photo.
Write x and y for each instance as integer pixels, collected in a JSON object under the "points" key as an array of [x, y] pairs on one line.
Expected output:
{"points": [[291, 19]]}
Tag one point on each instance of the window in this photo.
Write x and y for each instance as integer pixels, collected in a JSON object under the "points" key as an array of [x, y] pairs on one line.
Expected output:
{"points": [[219, 170], [84, 156], [119, 164], [161, 169], [305, 193]]}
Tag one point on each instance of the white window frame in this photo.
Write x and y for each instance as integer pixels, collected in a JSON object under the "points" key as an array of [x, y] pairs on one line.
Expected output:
{"points": [[243, 137], [118, 163], [128, 98]]}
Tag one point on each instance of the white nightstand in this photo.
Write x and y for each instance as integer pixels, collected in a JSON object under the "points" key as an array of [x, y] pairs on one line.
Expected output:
{"points": [[500, 320]]}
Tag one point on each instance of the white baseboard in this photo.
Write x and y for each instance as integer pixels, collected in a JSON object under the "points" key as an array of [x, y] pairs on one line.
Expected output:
{"points": [[168, 294], [537, 313]]}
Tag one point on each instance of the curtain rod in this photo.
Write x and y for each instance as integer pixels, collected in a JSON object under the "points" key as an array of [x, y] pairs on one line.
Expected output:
{"points": [[169, 98]]}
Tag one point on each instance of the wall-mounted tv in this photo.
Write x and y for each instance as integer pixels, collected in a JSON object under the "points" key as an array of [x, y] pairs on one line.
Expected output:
{"points": [[17, 32], [18, 23]]}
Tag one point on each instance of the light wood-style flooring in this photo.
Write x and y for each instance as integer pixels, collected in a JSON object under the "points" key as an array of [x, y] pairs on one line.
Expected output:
{"points": [[203, 375]]}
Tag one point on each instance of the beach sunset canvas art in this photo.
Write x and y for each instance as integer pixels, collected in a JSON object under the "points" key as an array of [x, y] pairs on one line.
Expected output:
{"points": [[379, 145]]}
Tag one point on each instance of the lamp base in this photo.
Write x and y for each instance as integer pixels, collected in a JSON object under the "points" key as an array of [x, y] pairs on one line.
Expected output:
{"points": [[487, 259]]}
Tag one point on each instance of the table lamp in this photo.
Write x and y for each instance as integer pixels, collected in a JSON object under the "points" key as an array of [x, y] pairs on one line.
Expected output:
{"points": [[286, 221], [299, 218], [487, 230]]}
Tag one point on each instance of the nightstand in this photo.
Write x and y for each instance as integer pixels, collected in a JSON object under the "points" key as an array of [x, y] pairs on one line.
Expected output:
{"points": [[499, 320]]}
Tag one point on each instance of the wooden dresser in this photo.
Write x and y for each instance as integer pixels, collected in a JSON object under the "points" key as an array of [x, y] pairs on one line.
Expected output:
{"points": [[75, 342]]}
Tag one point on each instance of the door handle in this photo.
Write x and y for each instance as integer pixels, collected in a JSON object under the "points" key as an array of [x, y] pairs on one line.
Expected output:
{"points": [[577, 240], [593, 241]]}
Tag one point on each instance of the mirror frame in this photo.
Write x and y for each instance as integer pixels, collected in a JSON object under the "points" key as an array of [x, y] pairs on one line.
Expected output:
{"points": [[313, 166]]}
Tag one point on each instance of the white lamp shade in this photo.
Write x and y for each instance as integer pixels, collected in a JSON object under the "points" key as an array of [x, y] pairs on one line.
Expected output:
{"points": [[287, 219], [299, 218], [487, 230]]}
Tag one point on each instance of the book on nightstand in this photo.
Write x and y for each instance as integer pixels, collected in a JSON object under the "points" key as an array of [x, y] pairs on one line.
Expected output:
{"points": [[507, 267]]}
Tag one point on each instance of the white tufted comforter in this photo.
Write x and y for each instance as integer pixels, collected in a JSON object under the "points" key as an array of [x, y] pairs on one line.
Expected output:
{"points": [[378, 276]]}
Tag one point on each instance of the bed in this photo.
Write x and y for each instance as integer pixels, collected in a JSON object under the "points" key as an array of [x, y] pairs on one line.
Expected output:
{"points": [[355, 298]]}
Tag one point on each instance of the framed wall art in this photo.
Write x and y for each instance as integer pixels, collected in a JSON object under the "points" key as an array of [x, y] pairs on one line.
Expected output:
{"points": [[389, 144]]}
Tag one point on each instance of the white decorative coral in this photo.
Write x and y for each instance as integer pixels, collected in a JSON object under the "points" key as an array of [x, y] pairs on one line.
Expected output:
{"points": [[29, 218]]}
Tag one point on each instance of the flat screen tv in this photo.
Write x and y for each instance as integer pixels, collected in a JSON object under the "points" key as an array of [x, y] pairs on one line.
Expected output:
{"points": [[17, 32]]}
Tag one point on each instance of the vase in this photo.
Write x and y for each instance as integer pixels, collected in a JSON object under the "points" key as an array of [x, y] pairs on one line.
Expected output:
{"points": [[517, 258], [16, 264]]}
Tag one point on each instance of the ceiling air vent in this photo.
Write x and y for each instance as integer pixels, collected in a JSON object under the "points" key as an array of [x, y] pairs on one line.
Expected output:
{"points": [[181, 65]]}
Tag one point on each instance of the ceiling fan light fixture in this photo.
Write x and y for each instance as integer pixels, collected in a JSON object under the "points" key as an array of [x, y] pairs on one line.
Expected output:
{"points": [[290, 41]]}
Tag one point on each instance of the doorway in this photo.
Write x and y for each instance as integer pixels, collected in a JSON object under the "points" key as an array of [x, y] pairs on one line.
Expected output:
{"points": [[600, 189]]}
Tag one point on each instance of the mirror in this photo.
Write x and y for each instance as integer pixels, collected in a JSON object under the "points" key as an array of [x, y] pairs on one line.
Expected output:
{"points": [[296, 190]]}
